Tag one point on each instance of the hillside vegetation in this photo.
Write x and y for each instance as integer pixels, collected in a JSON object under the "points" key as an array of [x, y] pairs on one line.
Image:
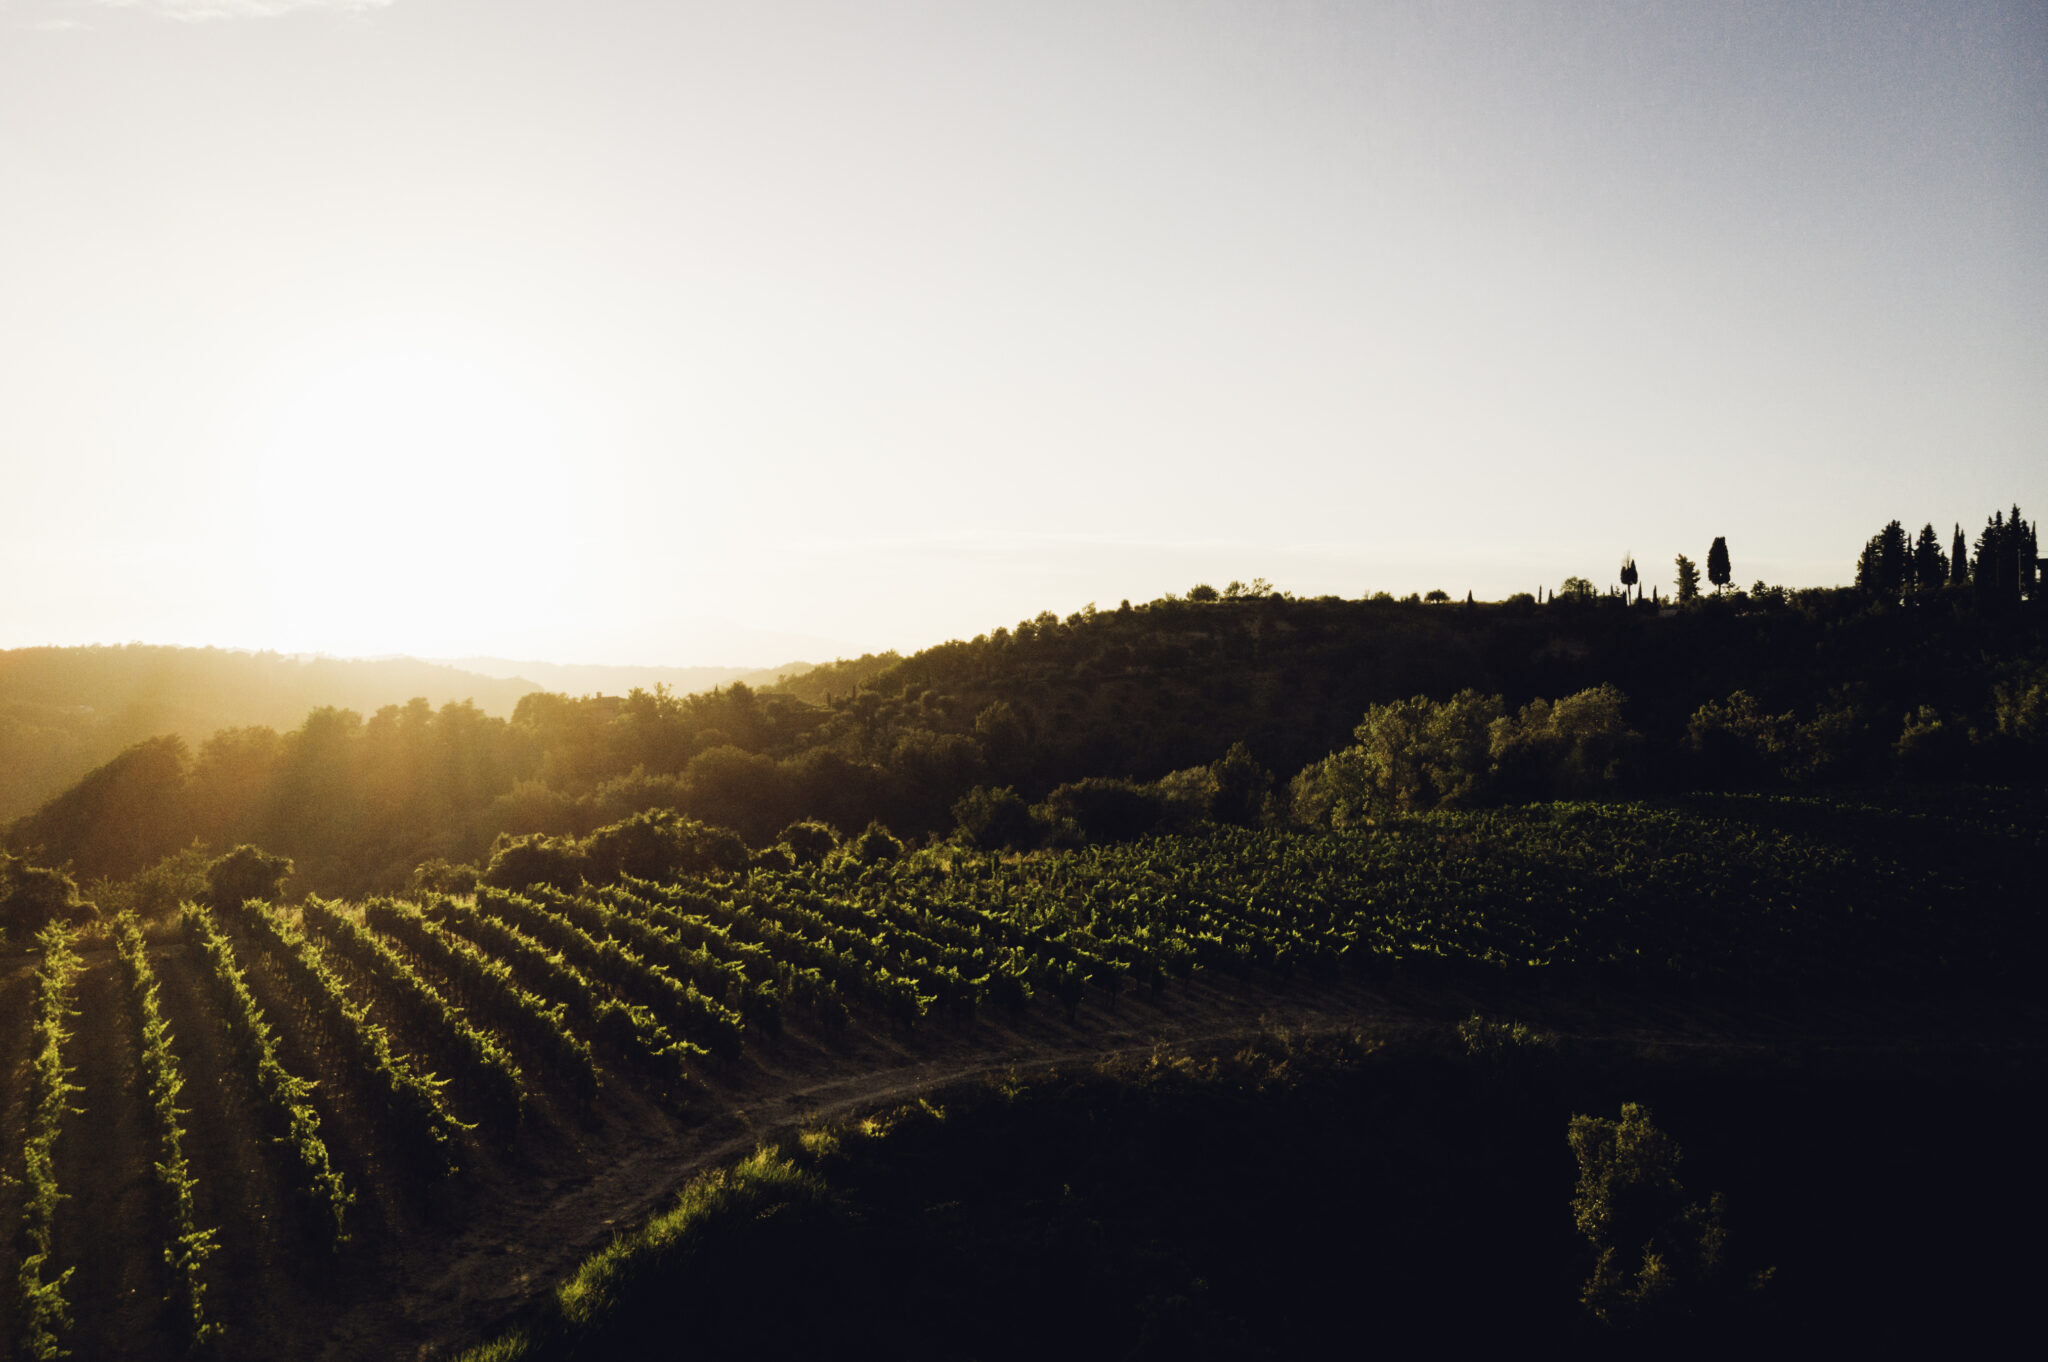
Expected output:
{"points": [[1751, 690]]}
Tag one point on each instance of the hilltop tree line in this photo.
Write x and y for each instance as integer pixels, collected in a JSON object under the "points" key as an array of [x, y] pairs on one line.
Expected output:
{"points": [[2003, 572], [1222, 705]]}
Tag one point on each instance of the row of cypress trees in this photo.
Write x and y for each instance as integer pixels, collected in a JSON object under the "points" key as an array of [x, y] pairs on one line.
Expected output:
{"points": [[2004, 570]]}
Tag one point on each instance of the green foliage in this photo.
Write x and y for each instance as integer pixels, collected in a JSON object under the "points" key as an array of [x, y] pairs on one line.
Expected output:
{"points": [[1497, 1042], [189, 1246], [809, 841], [481, 1064], [410, 1102], [1659, 1260], [656, 845], [1580, 747], [1102, 809], [439, 877], [629, 1029], [1688, 579], [488, 987], [875, 845], [994, 819], [247, 872], [1243, 788], [44, 1314], [1411, 755], [2021, 715], [522, 862], [32, 897], [157, 890], [321, 1196]]}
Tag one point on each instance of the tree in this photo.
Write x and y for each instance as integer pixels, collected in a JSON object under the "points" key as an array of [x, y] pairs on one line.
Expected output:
{"points": [[991, 819], [1629, 575], [1576, 589], [247, 872], [1688, 580], [31, 897], [1930, 566], [1718, 571], [1959, 560], [1659, 1259], [1241, 788]]}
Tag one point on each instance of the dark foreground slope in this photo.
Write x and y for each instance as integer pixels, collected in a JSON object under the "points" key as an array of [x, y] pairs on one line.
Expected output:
{"points": [[1297, 1198]]}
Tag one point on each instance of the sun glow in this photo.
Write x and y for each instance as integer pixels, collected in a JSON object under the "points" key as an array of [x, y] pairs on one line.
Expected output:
{"points": [[402, 474]]}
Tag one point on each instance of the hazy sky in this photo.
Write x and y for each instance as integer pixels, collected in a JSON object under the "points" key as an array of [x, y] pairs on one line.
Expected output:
{"points": [[655, 331]]}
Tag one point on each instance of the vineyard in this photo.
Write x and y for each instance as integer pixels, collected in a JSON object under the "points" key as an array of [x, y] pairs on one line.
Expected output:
{"points": [[222, 1126]]}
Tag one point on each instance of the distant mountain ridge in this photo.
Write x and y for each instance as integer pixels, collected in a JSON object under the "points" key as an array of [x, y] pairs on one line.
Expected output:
{"points": [[64, 711]]}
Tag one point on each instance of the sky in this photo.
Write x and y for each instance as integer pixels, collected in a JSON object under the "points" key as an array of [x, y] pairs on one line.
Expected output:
{"points": [[651, 331]]}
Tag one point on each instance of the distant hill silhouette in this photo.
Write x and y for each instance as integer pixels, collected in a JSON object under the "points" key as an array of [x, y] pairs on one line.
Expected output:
{"points": [[64, 711]]}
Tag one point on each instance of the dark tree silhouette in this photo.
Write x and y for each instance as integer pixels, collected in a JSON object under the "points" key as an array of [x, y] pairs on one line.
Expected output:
{"points": [[1930, 566], [1718, 571], [1629, 575], [1688, 580], [1959, 559]]}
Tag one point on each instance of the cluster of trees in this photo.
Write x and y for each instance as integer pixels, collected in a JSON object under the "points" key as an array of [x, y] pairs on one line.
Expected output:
{"points": [[2004, 571], [1420, 753]]}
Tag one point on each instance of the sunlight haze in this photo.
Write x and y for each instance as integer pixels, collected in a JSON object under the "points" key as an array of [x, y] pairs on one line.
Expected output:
{"points": [[729, 333]]}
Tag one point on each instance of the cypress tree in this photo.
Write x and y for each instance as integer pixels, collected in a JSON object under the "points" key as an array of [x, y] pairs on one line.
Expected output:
{"points": [[1959, 560], [1718, 571], [1930, 568]]}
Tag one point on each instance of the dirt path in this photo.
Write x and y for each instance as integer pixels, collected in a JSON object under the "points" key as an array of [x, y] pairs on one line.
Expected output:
{"points": [[445, 1295]]}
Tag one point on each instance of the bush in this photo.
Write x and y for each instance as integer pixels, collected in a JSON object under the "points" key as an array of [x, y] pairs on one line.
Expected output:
{"points": [[31, 898], [520, 863], [1581, 746], [1106, 810], [809, 841], [439, 877], [993, 819], [1658, 1259], [875, 845], [247, 872], [158, 889]]}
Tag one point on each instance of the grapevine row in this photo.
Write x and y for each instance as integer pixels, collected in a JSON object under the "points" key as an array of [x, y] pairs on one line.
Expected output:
{"points": [[317, 1187], [489, 988], [189, 1246], [411, 1102], [630, 1030], [482, 1064], [714, 975], [44, 1314], [678, 1005]]}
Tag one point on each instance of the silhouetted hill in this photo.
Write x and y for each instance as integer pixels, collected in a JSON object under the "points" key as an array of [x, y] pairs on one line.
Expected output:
{"points": [[64, 711]]}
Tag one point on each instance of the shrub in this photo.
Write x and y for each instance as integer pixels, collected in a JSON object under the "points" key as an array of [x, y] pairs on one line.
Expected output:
{"points": [[247, 872], [1106, 810], [32, 897], [990, 819], [1658, 1258], [519, 863], [809, 841]]}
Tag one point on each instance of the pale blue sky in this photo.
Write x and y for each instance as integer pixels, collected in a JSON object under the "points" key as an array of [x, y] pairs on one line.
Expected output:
{"points": [[673, 332]]}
